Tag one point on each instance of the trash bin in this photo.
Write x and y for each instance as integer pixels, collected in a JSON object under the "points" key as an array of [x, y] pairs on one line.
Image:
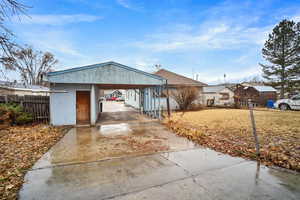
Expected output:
{"points": [[270, 104]]}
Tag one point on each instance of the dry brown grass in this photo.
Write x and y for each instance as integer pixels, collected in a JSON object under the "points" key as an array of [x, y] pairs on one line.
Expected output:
{"points": [[229, 131], [20, 148]]}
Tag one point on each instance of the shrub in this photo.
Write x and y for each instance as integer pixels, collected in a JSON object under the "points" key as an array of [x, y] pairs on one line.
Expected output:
{"points": [[24, 118], [13, 114], [184, 96]]}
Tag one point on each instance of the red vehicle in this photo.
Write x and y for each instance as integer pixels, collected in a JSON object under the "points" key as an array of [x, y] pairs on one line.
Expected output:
{"points": [[111, 99]]}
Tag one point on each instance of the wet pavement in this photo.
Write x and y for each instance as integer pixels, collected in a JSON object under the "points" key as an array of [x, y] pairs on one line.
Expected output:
{"points": [[140, 159]]}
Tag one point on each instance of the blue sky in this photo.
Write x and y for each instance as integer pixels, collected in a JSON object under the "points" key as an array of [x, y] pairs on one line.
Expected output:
{"points": [[189, 37]]}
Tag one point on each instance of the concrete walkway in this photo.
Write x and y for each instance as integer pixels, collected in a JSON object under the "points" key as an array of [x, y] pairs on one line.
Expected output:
{"points": [[77, 168]]}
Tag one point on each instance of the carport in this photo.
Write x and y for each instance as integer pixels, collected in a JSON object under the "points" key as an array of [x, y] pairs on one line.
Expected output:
{"points": [[74, 93]]}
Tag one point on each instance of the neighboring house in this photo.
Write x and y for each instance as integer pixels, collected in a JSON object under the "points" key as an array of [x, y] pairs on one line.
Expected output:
{"points": [[218, 95], [174, 81], [13, 88], [113, 93], [258, 94]]}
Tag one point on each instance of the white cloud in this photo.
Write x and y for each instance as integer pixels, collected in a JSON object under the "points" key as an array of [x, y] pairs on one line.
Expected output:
{"points": [[218, 36], [53, 40], [129, 5], [123, 3], [296, 18], [55, 20], [231, 76], [228, 25]]}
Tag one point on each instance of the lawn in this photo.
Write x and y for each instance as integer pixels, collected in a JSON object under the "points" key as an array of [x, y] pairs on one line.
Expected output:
{"points": [[229, 131], [20, 148]]}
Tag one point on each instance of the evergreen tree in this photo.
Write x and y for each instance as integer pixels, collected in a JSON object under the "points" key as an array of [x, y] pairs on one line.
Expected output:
{"points": [[282, 51]]}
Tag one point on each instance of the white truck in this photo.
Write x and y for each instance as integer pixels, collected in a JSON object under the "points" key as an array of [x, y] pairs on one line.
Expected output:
{"points": [[288, 104]]}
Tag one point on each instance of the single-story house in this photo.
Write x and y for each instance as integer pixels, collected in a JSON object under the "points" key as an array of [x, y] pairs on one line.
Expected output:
{"points": [[113, 93], [218, 95], [174, 81], [75, 93], [20, 89], [258, 94]]}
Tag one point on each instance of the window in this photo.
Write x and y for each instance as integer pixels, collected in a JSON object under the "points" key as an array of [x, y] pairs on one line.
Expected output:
{"points": [[297, 97], [224, 96]]}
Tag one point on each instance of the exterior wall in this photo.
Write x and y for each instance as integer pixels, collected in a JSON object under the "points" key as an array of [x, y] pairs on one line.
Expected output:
{"points": [[218, 97], [132, 98], [172, 102], [63, 103], [260, 98], [265, 96]]}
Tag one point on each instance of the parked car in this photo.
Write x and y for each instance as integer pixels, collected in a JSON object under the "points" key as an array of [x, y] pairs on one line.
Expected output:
{"points": [[121, 98], [111, 98], [292, 103]]}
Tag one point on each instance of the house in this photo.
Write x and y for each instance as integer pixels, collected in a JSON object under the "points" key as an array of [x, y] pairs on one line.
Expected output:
{"points": [[14, 88], [218, 95], [75, 92], [258, 94], [113, 93], [174, 81]]}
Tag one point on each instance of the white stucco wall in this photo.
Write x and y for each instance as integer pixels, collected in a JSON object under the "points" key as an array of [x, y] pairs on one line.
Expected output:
{"points": [[218, 96], [132, 98], [133, 101], [63, 103]]}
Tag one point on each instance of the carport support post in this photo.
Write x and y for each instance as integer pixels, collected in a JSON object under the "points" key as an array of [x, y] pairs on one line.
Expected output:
{"points": [[159, 107], [168, 100], [93, 105]]}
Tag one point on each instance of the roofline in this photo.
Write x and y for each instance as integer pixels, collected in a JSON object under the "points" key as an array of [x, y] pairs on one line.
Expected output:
{"points": [[75, 69], [24, 89], [186, 84], [203, 84]]}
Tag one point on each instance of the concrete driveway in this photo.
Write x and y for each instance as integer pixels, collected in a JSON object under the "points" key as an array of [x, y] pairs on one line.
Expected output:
{"points": [[129, 156]]}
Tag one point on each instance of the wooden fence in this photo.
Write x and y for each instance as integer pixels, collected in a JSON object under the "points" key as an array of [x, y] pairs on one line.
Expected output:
{"points": [[38, 106]]}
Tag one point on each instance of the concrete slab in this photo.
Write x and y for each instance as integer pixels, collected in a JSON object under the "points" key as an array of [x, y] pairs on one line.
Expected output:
{"points": [[88, 144], [201, 160], [179, 190], [156, 177], [250, 181], [100, 180], [112, 140]]}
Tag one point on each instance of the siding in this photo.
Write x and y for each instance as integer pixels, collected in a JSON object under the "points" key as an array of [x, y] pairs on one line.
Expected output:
{"points": [[218, 97], [63, 103]]}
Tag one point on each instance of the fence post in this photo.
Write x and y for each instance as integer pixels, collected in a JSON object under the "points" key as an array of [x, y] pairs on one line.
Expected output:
{"points": [[254, 128]]}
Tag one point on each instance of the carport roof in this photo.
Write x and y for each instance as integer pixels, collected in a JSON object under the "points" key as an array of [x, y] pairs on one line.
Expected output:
{"points": [[75, 69]]}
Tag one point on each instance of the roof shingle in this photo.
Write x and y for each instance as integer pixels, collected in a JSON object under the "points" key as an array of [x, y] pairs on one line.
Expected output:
{"points": [[176, 79]]}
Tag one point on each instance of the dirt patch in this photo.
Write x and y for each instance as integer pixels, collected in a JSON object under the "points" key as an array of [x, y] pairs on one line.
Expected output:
{"points": [[229, 131], [20, 148]]}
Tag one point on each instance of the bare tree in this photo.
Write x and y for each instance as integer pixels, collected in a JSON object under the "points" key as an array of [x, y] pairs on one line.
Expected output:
{"points": [[8, 8], [29, 64], [184, 96]]}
